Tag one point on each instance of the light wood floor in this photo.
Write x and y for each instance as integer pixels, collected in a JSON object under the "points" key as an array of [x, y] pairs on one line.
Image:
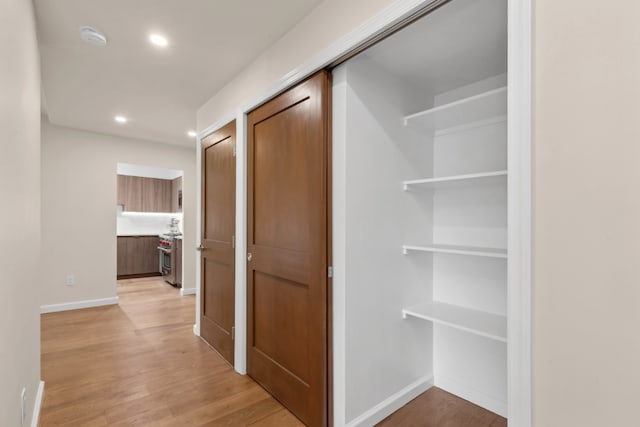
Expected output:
{"points": [[138, 363]]}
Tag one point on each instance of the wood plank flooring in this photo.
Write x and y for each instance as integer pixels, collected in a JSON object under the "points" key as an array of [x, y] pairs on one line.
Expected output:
{"points": [[139, 364], [437, 408]]}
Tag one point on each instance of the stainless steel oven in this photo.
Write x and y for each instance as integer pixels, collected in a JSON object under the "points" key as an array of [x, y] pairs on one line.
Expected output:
{"points": [[166, 257]]}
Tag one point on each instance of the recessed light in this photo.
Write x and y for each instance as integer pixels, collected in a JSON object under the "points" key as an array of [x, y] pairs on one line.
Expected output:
{"points": [[192, 134], [120, 119], [158, 40]]}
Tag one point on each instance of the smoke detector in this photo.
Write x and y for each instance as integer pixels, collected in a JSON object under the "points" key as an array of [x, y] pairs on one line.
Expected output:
{"points": [[93, 36]]}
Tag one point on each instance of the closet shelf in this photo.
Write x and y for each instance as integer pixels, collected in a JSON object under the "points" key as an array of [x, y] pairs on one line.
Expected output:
{"points": [[464, 111], [457, 250], [477, 322], [494, 177]]}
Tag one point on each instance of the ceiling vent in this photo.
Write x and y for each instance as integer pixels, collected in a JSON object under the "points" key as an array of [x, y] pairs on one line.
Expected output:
{"points": [[92, 36]]}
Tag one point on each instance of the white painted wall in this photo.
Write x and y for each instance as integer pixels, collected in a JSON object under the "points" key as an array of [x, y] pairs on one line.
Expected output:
{"points": [[19, 210], [472, 367], [586, 213], [373, 153], [79, 209]]}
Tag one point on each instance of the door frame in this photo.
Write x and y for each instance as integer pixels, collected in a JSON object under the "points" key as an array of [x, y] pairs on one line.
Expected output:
{"points": [[200, 218], [520, 102]]}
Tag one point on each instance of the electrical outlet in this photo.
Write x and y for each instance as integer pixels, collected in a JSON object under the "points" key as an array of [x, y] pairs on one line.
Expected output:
{"points": [[71, 280], [23, 406]]}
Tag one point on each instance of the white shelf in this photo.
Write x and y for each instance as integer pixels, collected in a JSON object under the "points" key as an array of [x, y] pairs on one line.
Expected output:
{"points": [[481, 323], [494, 177], [475, 108], [457, 250]]}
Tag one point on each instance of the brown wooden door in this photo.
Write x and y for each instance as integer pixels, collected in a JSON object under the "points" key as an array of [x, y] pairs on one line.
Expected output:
{"points": [[218, 261], [287, 348]]}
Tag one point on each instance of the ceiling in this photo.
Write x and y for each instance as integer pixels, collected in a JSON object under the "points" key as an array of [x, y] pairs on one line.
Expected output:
{"points": [[462, 42], [157, 89]]}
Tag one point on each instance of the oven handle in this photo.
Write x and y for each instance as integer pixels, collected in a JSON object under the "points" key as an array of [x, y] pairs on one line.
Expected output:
{"points": [[165, 250]]}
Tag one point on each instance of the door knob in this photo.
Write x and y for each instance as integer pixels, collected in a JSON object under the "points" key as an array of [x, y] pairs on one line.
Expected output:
{"points": [[200, 248], [249, 256]]}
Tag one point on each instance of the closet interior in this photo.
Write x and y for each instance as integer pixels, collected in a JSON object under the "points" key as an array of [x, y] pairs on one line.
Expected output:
{"points": [[420, 209]]}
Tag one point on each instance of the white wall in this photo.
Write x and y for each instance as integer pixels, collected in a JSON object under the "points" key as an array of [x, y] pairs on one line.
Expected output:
{"points": [[19, 210], [79, 209], [586, 213], [373, 281], [472, 367]]}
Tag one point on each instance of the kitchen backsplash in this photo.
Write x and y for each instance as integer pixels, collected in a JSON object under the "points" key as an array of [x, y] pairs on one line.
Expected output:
{"points": [[143, 223]]}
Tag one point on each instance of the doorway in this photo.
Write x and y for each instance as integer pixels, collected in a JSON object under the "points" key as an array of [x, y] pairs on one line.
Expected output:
{"points": [[287, 260], [149, 223], [217, 300]]}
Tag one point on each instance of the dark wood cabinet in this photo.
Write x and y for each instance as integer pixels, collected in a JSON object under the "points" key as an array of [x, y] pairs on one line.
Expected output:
{"points": [[140, 194], [156, 195], [130, 193], [138, 256]]}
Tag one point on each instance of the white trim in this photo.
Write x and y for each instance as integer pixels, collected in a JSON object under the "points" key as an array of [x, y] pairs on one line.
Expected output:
{"points": [[198, 228], [519, 110], [76, 305], [239, 362], [187, 291], [35, 417], [196, 330], [339, 221], [240, 349], [394, 402], [472, 395]]}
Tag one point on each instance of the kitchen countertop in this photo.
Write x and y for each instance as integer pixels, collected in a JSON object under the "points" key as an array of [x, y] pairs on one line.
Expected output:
{"points": [[137, 235]]}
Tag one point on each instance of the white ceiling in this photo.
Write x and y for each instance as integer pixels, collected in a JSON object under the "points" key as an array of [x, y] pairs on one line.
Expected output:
{"points": [[158, 90], [462, 42]]}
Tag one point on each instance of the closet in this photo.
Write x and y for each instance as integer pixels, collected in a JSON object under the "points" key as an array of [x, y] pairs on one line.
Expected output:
{"points": [[420, 211]]}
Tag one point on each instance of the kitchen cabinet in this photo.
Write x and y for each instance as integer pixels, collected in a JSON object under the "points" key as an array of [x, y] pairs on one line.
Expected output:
{"points": [[141, 194], [176, 195], [156, 195], [130, 192], [137, 256]]}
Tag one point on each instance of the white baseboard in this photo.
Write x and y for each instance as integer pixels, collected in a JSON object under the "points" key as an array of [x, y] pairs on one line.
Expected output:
{"points": [[187, 291], [35, 418], [394, 402], [76, 305], [472, 395], [196, 330]]}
